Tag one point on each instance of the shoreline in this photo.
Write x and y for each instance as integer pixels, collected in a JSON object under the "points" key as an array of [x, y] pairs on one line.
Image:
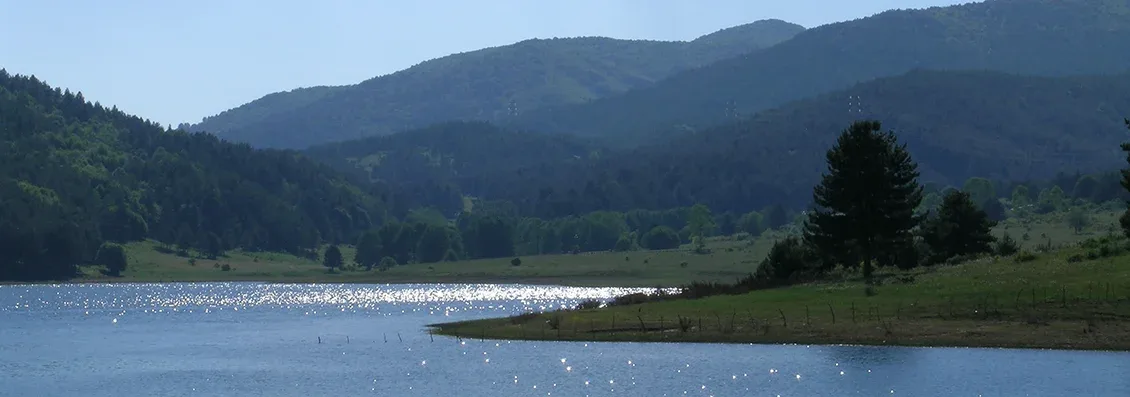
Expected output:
{"points": [[397, 281], [435, 329], [1111, 339]]}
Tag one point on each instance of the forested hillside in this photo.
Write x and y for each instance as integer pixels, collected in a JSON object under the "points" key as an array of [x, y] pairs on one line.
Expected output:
{"points": [[436, 166], [957, 124], [74, 174], [490, 84], [262, 108], [1037, 37]]}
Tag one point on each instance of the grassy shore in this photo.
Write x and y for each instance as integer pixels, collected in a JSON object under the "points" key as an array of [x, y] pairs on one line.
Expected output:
{"points": [[730, 258], [1071, 298]]}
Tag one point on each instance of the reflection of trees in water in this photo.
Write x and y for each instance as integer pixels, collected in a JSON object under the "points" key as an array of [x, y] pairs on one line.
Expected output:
{"points": [[867, 356], [886, 363]]}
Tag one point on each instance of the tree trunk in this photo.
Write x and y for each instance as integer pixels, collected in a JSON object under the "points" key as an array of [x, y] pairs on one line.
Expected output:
{"points": [[867, 270]]}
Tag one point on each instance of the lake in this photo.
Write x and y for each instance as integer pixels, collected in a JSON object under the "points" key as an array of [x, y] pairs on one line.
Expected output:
{"points": [[212, 339]]}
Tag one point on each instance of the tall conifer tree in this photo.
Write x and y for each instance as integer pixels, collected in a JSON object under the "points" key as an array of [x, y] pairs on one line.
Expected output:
{"points": [[865, 202]]}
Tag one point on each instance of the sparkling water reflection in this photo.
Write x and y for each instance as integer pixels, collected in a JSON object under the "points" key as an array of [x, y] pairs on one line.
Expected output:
{"points": [[288, 339]]}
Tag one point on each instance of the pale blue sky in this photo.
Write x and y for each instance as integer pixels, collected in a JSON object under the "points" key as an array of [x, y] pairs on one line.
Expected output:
{"points": [[177, 61]]}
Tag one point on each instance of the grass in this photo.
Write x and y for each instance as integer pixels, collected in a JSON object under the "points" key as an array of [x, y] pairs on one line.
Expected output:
{"points": [[1076, 297], [729, 259]]}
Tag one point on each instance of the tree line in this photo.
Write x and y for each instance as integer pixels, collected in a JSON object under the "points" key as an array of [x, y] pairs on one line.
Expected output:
{"points": [[867, 213], [75, 175]]}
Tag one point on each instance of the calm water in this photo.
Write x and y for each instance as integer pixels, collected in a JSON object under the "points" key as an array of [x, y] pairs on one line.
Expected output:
{"points": [[212, 339]]}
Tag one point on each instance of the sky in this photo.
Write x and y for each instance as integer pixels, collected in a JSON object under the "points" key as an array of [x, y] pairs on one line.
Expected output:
{"points": [[175, 62]]}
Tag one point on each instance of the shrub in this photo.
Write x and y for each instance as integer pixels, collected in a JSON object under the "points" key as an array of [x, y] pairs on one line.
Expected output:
{"points": [[660, 238], [1024, 256], [516, 262], [113, 256], [789, 260], [226, 267], [588, 304], [1006, 246], [630, 299], [1075, 258], [523, 318], [387, 262]]}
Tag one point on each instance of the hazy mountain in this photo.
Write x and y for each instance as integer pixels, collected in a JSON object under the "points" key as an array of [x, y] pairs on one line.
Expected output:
{"points": [[488, 84], [1037, 37], [956, 124]]}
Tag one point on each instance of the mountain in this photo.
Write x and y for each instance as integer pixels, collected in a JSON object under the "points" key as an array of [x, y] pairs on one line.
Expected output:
{"points": [[262, 108], [956, 124], [75, 174], [488, 84], [438, 165], [1035, 37]]}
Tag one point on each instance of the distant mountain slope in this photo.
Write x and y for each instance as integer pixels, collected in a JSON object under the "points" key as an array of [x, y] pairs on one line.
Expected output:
{"points": [[956, 124], [255, 111], [1037, 37], [488, 84], [439, 164], [74, 174]]}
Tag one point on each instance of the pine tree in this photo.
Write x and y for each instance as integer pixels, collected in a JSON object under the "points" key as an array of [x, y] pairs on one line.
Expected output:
{"points": [[865, 203], [959, 228]]}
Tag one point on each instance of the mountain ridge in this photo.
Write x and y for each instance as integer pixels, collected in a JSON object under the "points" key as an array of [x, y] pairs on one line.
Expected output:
{"points": [[956, 124], [486, 84], [1038, 37]]}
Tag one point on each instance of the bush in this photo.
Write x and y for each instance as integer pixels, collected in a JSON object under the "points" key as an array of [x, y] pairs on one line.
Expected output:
{"points": [[226, 267], [624, 243], [113, 256], [588, 304], [788, 261], [516, 262], [523, 318], [1075, 258], [1024, 256], [1006, 246], [660, 238], [387, 262]]}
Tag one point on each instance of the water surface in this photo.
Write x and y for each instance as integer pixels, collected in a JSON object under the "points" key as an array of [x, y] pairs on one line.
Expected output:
{"points": [[213, 339]]}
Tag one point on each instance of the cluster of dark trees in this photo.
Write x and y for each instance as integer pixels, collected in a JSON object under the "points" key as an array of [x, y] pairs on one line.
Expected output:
{"points": [[866, 215], [495, 230], [75, 175]]}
